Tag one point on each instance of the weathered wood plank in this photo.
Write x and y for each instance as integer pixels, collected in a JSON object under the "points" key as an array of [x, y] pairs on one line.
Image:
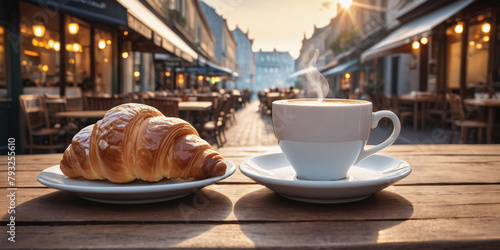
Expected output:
{"points": [[407, 234], [257, 203], [433, 169]]}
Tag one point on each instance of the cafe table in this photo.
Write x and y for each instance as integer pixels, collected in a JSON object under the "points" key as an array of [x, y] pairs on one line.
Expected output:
{"points": [[419, 102], [82, 114], [490, 105], [451, 200]]}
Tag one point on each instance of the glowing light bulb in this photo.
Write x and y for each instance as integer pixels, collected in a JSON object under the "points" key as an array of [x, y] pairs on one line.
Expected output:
{"points": [[57, 46], [38, 30], [137, 73], [102, 44], [486, 38], [415, 45], [125, 55], [76, 47], [347, 75], [34, 42], [424, 40], [108, 42], [459, 28], [486, 27], [167, 74], [51, 43], [73, 28]]}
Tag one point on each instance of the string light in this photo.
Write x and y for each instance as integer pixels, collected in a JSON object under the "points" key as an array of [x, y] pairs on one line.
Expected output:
{"points": [[486, 28], [38, 30], [125, 55], [424, 40], [415, 45], [73, 28], [101, 44], [459, 28]]}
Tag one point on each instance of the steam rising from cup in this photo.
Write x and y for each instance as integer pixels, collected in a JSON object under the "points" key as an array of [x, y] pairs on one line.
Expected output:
{"points": [[315, 80]]}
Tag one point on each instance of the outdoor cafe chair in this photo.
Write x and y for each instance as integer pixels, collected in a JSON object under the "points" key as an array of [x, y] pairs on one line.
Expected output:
{"points": [[167, 106], [439, 109], [402, 111], [457, 115], [40, 134], [216, 124]]}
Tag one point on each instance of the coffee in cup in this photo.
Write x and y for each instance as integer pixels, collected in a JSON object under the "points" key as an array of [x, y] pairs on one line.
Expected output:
{"points": [[322, 140]]}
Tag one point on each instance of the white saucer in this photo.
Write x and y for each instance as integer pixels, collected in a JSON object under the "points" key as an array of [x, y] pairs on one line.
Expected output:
{"points": [[135, 192], [369, 176]]}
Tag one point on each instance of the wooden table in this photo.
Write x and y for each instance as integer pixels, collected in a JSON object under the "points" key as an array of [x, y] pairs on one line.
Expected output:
{"points": [[194, 106], [91, 114], [451, 200], [184, 106], [490, 105], [418, 113]]}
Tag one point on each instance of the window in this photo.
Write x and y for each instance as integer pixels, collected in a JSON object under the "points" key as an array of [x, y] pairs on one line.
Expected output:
{"points": [[3, 67], [103, 61], [40, 48], [454, 53], [477, 54], [78, 54]]}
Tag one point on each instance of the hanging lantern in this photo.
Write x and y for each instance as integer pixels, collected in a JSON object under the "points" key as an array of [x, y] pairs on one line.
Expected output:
{"points": [[415, 45], [101, 44], [73, 28], [486, 27], [38, 30]]}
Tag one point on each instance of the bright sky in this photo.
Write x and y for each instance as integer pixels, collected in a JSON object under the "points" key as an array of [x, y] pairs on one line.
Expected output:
{"points": [[276, 24]]}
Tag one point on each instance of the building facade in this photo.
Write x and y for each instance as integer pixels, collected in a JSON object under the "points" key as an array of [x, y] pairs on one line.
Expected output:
{"points": [[106, 48], [318, 41], [441, 47], [225, 46], [245, 60], [272, 69]]}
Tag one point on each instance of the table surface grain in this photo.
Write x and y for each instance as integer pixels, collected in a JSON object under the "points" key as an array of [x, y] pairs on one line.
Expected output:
{"points": [[451, 200]]}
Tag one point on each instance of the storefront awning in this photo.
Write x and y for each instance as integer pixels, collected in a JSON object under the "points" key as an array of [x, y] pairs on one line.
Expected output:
{"points": [[300, 73], [413, 30], [103, 11], [214, 68], [172, 41], [349, 66]]}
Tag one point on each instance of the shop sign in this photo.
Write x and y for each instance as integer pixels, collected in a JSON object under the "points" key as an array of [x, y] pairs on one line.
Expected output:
{"points": [[157, 39], [142, 29], [168, 45]]}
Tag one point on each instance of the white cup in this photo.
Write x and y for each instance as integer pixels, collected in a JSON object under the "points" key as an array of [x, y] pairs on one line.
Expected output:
{"points": [[322, 141]]}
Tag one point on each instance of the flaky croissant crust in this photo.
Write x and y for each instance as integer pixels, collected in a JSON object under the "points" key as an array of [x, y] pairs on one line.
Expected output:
{"points": [[135, 141]]}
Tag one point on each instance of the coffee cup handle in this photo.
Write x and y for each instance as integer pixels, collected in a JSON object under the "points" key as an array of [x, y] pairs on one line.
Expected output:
{"points": [[389, 141]]}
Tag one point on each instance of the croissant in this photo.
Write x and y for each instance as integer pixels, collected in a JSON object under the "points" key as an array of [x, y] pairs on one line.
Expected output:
{"points": [[135, 141]]}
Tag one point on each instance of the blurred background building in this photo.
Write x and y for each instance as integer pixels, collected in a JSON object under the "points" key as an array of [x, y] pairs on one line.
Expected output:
{"points": [[272, 69], [245, 60]]}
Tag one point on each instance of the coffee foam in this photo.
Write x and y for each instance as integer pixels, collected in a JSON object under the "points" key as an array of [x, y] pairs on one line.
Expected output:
{"points": [[324, 102]]}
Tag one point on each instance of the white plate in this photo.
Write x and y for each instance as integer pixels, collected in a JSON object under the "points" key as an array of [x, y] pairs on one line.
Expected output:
{"points": [[135, 192], [369, 176]]}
